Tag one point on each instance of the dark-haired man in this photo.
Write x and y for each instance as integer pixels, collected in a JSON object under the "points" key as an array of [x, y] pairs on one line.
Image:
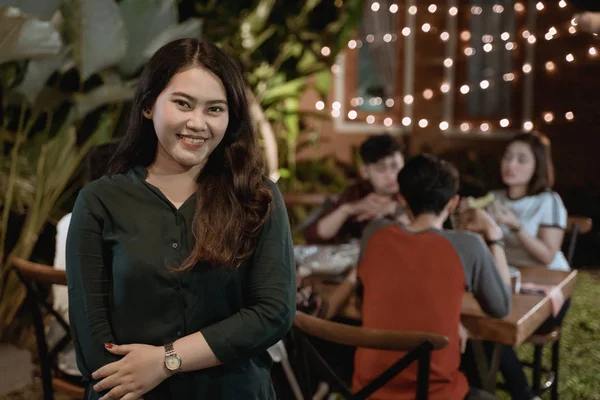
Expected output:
{"points": [[371, 197], [414, 277]]}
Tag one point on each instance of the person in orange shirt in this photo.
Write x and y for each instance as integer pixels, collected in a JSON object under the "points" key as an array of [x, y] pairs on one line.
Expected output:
{"points": [[414, 277]]}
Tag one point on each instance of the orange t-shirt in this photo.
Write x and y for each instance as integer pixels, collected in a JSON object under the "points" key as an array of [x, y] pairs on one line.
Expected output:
{"points": [[416, 282]]}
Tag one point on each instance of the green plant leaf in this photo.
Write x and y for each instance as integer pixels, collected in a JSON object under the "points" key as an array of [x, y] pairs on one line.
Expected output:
{"points": [[26, 37], [105, 94], [289, 89], [97, 33], [139, 16], [190, 28], [323, 83], [37, 73], [42, 9]]}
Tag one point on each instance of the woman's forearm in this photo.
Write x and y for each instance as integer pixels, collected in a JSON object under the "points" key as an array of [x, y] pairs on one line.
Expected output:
{"points": [[195, 353], [536, 247]]}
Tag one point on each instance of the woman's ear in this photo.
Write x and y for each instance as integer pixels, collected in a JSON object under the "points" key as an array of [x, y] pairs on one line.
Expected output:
{"points": [[147, 113]]}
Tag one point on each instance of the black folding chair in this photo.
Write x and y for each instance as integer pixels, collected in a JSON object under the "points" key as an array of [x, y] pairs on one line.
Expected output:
{"points": [[33, 277], [417, 345]]}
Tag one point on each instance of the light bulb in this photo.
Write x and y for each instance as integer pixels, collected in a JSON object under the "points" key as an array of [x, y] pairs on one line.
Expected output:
{"points": [[569, 57], [352, 44], [539, 6], [375, 6], [388, 122], [432, 8], [370, 119], [453, 11], [484, 84], [427, 94], [484, 127], [444, 125], [487, 47], [509, 77], [448, 62], [527, 126], [464, 89], [465, 35], [504, 122], [405, 121], [527, 68], [445, 88], [412, 10], [408, 99], [505, 36], [325, 51], [320, 105], [550, 66], [406, 31], [352, 114], [465, 127], [569, 116], [394, 8], [548, 117], [445, 36], [423, 123], [426, 27]]}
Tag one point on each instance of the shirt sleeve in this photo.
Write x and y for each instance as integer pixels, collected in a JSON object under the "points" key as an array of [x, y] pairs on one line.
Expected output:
{"points": [[89, 285], [483, 278], [59, 292], [270, 297], [553, 212], [312, 236]]}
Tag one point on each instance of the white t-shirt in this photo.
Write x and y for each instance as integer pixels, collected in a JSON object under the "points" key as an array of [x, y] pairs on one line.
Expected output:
{"points": [[67, 361], [542, 210]]}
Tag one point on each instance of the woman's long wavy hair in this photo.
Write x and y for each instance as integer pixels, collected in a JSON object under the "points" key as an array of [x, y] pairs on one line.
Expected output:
{"points": [[543, 175], [233, 200]]}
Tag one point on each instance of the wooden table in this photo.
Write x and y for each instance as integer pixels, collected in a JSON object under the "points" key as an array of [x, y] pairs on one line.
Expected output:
{"points": [[529, 311]]}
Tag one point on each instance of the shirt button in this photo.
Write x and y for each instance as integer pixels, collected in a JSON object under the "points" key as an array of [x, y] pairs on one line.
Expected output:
{"points": [[175, 245]]}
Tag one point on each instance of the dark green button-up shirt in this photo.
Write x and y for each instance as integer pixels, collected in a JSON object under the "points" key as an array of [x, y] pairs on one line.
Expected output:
{"points": [[124, 237]]}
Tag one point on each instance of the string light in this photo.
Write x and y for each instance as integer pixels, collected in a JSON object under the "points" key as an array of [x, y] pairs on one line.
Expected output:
{"points": [[320, 105], [548, 117], [427, 94], [484, 84], [505, 36], [408, 99], [526, 34], [375, 6], [406, 31], [394, 8], [572, 30], [504, 122], [412, 10], [406, 121], [465, 127], [453, 11], [531, 39], [370, 119], [562, 4], [484, 127], [498, 9], [390, 102], [539, 6], [387, 38], [336, 69], [426, 27], [592, 51], [335, 113], [510, 46], [352, 44], [464, 89], [432, 8], [509, 77], [569, 57], [519, 7], [444, 125], [569, 116], [423, 123], [325, 51], [465, 35], [527, 68], [445, 88], [476, 10], [574, 21], [388, 122], [336, 105], [528, 126], [352, 114], [487, 48], [469, 51], [548, 36], [370, 38], [487, 39], [448, 62], [550, 66], [445, 36]]}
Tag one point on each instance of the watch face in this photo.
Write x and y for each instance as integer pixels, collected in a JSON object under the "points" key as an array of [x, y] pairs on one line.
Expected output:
{"points": [[173, 362]]}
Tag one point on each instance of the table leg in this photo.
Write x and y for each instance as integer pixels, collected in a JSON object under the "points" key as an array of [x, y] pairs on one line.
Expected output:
{"points": [[487, 369]]}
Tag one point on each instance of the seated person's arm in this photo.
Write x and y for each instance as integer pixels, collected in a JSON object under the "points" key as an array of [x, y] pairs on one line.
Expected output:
{"points": [[342, 293], [489, 278]]}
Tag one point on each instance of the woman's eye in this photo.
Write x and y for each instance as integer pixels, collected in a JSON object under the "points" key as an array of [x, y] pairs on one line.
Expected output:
{"points": [[216, 109], [181, 103]]}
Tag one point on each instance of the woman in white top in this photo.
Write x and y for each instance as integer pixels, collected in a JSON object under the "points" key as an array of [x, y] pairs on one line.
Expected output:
{"points": [[533, 219], [531, 215]]}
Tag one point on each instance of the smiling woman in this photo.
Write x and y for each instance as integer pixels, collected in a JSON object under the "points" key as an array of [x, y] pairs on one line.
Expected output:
{"points": [[180, 262]]}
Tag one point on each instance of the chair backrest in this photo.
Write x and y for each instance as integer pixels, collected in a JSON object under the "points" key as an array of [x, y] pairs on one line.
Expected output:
{"points": [[32, 275], [417, 345], [365, 337], [576, 225]]}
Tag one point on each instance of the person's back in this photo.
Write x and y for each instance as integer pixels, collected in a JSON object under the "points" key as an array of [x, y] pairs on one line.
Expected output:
{"points": [[414, 279]]}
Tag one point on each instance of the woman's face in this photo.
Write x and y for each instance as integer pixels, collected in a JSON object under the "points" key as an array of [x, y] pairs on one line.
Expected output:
{"points": [[518, 164], [190, 117]]}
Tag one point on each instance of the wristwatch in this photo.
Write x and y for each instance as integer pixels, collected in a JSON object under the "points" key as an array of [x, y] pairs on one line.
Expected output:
{"points": [[172, 359]]}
